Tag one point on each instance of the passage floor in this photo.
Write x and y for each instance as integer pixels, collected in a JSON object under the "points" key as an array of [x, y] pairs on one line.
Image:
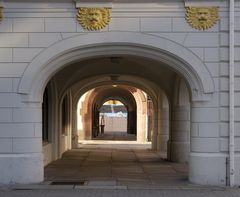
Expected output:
{"points": [[116, 163]]}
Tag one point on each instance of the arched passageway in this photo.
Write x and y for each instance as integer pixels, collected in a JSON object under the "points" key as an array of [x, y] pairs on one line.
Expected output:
{"points": [[134, 99], [113, 116], [174, 80]]}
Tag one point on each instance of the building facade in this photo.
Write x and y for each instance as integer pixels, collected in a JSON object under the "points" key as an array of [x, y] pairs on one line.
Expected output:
{"points": [[184, 54]]}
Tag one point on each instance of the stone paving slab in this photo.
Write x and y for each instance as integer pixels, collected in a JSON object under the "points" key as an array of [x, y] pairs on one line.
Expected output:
{"points": [[102, 183], [133, 192], [127, 167], [116, 187], [111, 171]]}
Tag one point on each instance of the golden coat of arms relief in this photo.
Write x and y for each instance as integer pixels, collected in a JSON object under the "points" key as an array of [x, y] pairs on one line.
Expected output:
{"points": [[94, 18], [202, 18]]}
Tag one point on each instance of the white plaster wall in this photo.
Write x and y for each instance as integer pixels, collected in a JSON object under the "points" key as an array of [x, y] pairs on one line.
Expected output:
{"points": [[65, 138], [180, 136], [115, 124], [180, 123], [21, 168], [47, 153], [163, 133], [224, 87], [207, 169], [141, 100], [21, 144], [64, 145], [26, 32], [84, 118]]}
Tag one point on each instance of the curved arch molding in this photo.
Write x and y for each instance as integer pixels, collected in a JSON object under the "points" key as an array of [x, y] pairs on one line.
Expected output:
{"points": [[92, 45]]}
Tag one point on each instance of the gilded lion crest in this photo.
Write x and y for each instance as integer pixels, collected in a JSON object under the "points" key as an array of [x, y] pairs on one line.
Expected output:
{"points": [[202, 17], [93, 18]]}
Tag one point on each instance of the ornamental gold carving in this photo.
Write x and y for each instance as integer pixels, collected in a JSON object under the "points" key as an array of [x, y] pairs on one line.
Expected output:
{"points": [[93, 18], [202, 17]]}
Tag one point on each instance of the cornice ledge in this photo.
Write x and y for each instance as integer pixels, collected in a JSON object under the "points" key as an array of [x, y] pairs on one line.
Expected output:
{"points": [[202, 3], [94, 3]]}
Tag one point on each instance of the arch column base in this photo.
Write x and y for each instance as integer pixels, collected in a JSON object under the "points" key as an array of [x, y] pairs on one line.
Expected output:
{"points": [[207, 169], [180, 152], [21, 168], [141, 136], [162, 142], [154, 142]]}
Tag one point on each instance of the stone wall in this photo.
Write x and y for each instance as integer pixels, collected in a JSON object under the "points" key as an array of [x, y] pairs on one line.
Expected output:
{"points": [[115, 124], [28, 28]]}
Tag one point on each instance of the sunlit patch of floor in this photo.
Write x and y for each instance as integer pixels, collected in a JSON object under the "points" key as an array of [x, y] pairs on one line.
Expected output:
{"points": [[115, 163]]}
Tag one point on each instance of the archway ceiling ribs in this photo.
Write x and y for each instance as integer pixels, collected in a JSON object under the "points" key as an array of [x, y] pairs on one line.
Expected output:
{"points": [[163, 76], [122, 94], [54, 58], [83, 86]]}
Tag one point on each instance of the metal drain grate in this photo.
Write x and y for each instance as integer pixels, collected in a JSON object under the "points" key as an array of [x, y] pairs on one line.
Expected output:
{"points": [[22, 189], [67, 183]]}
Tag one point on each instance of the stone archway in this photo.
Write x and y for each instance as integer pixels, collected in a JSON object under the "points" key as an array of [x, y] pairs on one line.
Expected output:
{"points": [[57, 56], [123, 95], [178, 58]]}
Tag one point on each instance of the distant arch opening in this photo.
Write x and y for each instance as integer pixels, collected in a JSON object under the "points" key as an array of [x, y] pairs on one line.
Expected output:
{"points": [[113, 119]]}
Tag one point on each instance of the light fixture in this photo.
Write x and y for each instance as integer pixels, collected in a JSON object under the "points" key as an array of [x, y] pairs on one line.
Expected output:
{"points": [[114, 86], [115, 60], [114, 77]]}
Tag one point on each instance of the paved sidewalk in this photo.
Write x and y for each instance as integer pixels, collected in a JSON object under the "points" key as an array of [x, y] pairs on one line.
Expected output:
{"points": [[207, 192]]}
